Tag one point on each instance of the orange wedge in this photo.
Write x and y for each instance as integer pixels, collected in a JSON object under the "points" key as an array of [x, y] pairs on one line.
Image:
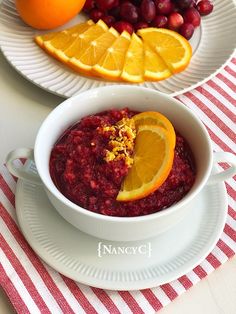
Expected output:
{"points": [[111, 63], [153, 159], [172, 47], [54, 43], [82, 28], [155, 118], [64, 39], [40, 39], [133, 65], [96, 48], [155, 69], [83, 41]]}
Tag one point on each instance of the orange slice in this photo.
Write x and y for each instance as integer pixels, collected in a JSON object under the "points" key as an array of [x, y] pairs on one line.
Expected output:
{"points": [[96, 48], [83, 41], [111, 63], [153, 159], [40, 39], [155, 118], [133, 65], [82, 28], [52, 42], [172, 47], [155, 69]]}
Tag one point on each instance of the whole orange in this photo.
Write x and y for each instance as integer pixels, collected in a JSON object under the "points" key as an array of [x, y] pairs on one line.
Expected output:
{"points": [[48, 14]]}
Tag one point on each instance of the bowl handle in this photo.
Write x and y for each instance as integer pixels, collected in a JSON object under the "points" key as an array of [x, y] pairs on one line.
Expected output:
{"points": [[21, 171], [224, 174]]}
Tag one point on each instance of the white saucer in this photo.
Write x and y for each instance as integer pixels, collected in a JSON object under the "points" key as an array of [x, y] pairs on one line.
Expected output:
{"points": [[75, 254]]}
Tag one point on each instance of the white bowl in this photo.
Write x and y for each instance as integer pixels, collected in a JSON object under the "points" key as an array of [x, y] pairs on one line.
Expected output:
{"points": [[136, 98]]}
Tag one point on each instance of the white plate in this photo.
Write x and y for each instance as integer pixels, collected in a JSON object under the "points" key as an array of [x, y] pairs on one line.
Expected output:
{"points": [[213, 44], [75, 254]]}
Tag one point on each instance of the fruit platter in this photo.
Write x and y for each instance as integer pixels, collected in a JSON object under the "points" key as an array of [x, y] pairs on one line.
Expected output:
{"points": [[168, 45]]}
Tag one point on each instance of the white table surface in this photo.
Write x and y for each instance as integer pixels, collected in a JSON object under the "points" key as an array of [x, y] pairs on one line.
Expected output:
{"points": [[23, 107]]}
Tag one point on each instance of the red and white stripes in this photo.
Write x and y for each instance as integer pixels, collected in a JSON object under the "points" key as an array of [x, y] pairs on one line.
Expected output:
{"points": [[34, 287]]}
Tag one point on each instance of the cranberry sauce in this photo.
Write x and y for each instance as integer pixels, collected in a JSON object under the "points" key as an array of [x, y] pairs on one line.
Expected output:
{"points": [[80, 172]]}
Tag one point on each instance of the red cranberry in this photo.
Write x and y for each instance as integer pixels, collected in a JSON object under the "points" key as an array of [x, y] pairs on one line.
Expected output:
{"points": [[192, 16], [160, 21], [129, 12], [163, 6], [89, 5], [115, 12], [140, 25], [175, 8], [148, 10], [184, 4], [204, 7], [107, 4], [109, 20], [186, 30], [123, 26], [137, 2], [175, 20], [96, 15]]}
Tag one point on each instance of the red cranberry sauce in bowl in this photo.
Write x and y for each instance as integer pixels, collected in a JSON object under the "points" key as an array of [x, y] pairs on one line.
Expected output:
{"points": [[83, 170]]}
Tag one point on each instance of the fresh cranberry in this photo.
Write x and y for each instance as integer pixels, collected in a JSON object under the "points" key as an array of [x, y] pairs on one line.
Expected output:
{"points": [[96, 15], [160, 21], [175, 8], [185, 4], [148, 10], [175, 20], [186, 30], [163, 6], [137, 2], [109, 20], [115, 12], [192, 16], [89, 5], [140, 25], [123, 26], [129, 12], [105, 5], [204, 7]]}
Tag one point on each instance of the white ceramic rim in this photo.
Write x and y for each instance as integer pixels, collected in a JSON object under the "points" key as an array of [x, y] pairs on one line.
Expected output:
{"points": [[52, 188]]}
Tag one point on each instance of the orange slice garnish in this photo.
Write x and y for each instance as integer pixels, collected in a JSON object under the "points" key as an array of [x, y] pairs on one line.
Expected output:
{"points": [[172, 47], [152, 163], [111, 63], [155, 118]]}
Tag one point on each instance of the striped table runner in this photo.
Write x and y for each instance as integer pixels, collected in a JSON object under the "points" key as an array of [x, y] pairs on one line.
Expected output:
{"points": [[34, 287]]}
